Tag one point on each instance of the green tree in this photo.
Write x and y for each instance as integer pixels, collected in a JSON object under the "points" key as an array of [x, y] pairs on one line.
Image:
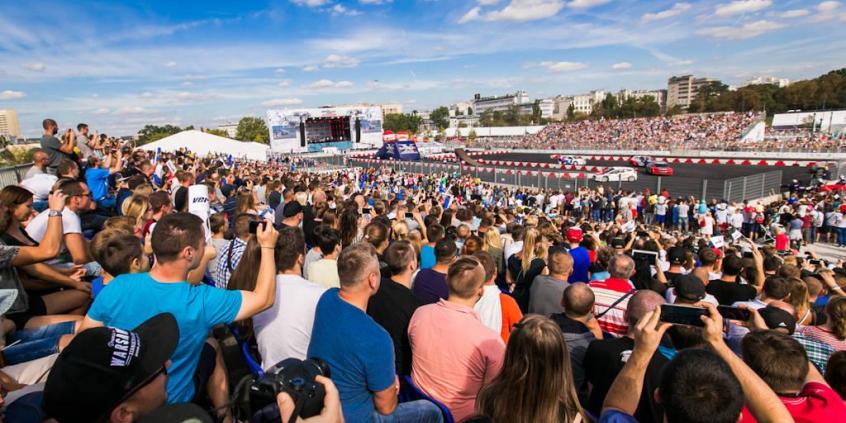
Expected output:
{"points": [[462, 124], [471, 136], [571, 112], [252, 129], [486, 119], [151, 133], [218, 132], [469, 111], [402, 122], [440, 117]]}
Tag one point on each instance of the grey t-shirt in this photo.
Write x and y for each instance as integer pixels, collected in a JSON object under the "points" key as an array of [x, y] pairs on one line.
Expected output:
{"points": [[9, 278], [545, 295], [50, 144], [82, 144]]}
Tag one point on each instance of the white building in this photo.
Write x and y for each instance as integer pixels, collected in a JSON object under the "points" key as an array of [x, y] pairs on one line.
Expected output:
{"points": [[660, 96], [499, 103], [681, 90], [391, 108], [763, 80], [461, 108], [230, 128], [9, 125], [547, 108]]}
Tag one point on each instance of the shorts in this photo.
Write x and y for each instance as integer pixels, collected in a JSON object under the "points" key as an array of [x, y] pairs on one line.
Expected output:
{"points": [[36, 308], [205, 367]]}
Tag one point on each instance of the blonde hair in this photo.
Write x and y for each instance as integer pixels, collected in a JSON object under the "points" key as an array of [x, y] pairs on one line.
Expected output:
{"points": [[415, 237], [136, 207], [492, 239], [533, 247], [302, 198], [399, 231]]}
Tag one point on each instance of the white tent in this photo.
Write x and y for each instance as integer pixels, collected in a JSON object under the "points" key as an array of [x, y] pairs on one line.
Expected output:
{"points": [[201, 144]]}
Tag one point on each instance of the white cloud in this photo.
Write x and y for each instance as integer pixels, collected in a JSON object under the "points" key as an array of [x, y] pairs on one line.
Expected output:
{"points": [[282, 102], [795, 13], [563, 66], [519, 10], [327, 84], [340, 9], [586, 4], [187, 84], [132, 110], [676, 10], [310, 3], [828, 6], [621, 66], [747, 30], [36, 67], [471, 15], [742, 6], [338, 61], [375, 1], [487, 2], [285, 83], [11, 95], [309, 68], [280, 70], [101, 111], [170, 64]]}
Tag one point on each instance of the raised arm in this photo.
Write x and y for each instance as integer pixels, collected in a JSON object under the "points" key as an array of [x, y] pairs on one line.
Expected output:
{"points": [[262, 297], [762, 402], [626, 390], [52, 240]]}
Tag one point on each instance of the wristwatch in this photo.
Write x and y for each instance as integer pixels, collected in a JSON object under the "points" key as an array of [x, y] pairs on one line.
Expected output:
{"points": [[54, 213]]}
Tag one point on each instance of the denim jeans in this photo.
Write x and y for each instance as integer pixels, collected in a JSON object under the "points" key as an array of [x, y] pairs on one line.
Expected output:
{"points": [[49, 331], [30, 350], [841, 237], [420, 411]]}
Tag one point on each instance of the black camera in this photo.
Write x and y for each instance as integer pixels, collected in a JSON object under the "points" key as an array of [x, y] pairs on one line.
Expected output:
{"points": [[295, 377]]}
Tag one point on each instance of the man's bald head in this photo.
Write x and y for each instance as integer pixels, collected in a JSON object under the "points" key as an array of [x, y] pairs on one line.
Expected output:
{"points": [[641, 303], [621, 266], [578, 299]]}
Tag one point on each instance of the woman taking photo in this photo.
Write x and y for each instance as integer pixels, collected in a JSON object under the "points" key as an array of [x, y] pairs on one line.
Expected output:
{"points": [[524, 266], [537, 390]]}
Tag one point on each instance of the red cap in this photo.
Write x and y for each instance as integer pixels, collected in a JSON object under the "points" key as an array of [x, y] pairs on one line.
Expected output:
{"points": [[843, 208], [574, 234], [718, 252]]}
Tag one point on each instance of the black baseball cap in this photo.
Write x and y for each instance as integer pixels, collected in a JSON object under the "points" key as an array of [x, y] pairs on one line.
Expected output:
{"points": [[776, 318], [103, 366], [676, 255], [690, 288], [292, 209]]}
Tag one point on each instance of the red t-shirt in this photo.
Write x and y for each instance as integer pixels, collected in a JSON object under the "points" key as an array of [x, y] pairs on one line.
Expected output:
{"points": [[781, 242], [816, 403]]}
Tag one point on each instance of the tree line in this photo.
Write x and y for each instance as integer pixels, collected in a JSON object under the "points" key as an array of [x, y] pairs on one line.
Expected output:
{"points": [[252, 129], [824, 92]]}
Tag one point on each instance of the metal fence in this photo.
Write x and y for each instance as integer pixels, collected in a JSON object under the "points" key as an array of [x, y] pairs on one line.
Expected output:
{"points": [[754, 186], [12, 175], [749, 187]]}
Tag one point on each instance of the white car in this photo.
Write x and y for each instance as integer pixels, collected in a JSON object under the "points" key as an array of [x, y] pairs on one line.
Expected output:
{"points": [[615, 174], [572, 161]]}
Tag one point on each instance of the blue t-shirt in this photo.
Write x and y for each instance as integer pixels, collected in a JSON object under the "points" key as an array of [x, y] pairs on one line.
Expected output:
{"points": [[427, 257], [97, 286], [581, 264], [98, 182], [359, 352], [131, 299], [616, 416]]}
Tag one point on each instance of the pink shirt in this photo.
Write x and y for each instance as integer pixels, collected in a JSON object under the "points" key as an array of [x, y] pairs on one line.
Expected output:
{"points": [[453, 355]]}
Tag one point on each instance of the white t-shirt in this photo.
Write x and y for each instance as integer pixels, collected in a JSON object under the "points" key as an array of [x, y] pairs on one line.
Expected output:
{"points": [[325, 273], [284, 330], [513, 248], [38, 226], [40, 185]]}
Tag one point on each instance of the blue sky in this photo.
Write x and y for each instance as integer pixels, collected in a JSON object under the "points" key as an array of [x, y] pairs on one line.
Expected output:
{"points": [[120, 65]]}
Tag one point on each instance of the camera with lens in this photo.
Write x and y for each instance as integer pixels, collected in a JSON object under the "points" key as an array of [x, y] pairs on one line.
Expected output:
{"points": [[296, 378]]}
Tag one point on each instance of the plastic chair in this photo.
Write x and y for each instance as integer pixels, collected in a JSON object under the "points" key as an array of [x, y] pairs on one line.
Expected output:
{"points": [[410, 392], [255, 367]]}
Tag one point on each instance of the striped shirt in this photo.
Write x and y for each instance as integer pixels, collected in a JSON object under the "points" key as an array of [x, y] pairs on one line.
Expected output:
{"points": [[823, 335], [607, 292]]}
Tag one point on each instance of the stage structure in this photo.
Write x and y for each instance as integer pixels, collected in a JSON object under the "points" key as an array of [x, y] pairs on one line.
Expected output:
{"points": [[312, 130]]}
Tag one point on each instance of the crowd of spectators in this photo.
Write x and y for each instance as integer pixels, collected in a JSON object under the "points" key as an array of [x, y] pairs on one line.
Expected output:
{"points": [[499, 304]]}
